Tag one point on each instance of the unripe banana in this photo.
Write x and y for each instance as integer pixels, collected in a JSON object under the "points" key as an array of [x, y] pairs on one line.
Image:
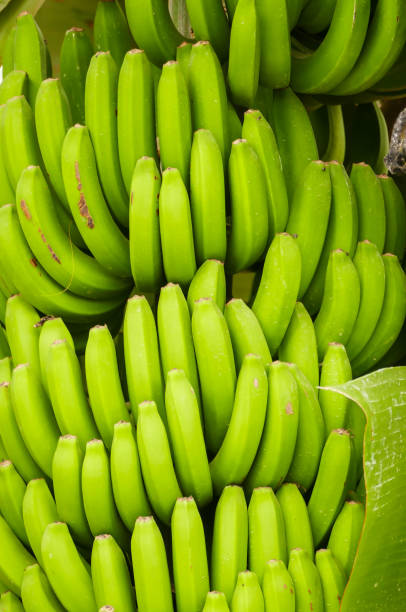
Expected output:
{"points": [[4, 347], [371, 205], [52, 328], [75, 56], [335, 370], [103, 382], [299, 344], [215, 602], [345, 534], [249, 207], [277, 587], [356, 424], [207, 197], [247, 595], [275, 43], [14, 558], [208, 282], [5, 369], [36, 592], [110, 575], [395, 212], [245, 332], [332, 579], [143, 368], [67, 481], [156, 462], [7, 194], [230, 540], [306, 582], [296, 519], [8, 52], [278, 441], [22, 331], [236, 454], [183, 52], [215, 362], [14, 84], [209, 22], [110, 29], [10, 603], [30, 52], [65, 567], [150, 567], [12, 489], [277, 293], [267, 539]]}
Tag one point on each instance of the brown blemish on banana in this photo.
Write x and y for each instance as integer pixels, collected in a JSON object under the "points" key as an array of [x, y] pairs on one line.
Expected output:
{"points": [[83, 209], [33, 262], [43, 320], [289, 408], [50, 249], [25, 209]]}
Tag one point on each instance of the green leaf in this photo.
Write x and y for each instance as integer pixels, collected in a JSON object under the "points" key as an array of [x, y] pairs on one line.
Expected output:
{"points": [[378, 578]]}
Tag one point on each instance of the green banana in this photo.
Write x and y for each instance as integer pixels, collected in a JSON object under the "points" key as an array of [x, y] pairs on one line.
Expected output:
{"points": [[110, 30], [126, 479], [5, 369], [247, 596], [322, 70], [316, 16], [67, 481], [209, 22], [366, 136], [156, 462], [277, 293], [215, 602], [341, 298], [371, 272], [267, 539], [10, 603], [355, 424], [110, 575], [207, 197], [294, 135], [275, 62], [208, 282], [65, 567], [216, 368], [244, 53], [336, 145], [135, 113], [34, 416], [299, 344], [22, 331], [306, 582], [142, 360], [97, 492], [371, 205], [249, 208], [8, 52], [183, 52], [150, 567], [186, 437], [332, 579], [145, 240], [88, 206], [4, 347], [335, 370], [277, 587], [7, 195], [38, 510], [259, 135], [390, 320], [190, 567], [51, 329], [30, 52], [331, 484], [276, 449], [230, 540], [345, 534], [14, 558], [14, 84], [395, 213], [103, 382], [12, 489], [76, 53], [178, 251], [36, 592]]}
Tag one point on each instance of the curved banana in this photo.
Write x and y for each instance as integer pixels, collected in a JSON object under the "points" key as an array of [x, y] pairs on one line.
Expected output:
{"points": [[38, 510], [12, 489], [88, 206], [14, 558], [332, 578], [135, 113], [342, 231], [22, 331], [335, 150], [216, 369], [294, 135], [274, 35], [30, 52], [152, 27], [276, 449], [14, 84], [306, 581], [65, 567], [10, 603], [230, 540], [249, 207], [150, 567], [51, 329], [103, 382], [245, 332], [371, 272], [142, 360], [36, 592], [209, 22], [190, 567], [267, 539], [277, 293], [175, 224], [395, 212], [322, 70], [207, 197], [390, 320], [247, 595], [156, 462], [345, 534], [209, 281], [126, 479], [76, 53], [277, 587], [110, 575], [316, 16], [34, 416], [258, 133], [335, 370], [371, 205], [111, 31]]}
